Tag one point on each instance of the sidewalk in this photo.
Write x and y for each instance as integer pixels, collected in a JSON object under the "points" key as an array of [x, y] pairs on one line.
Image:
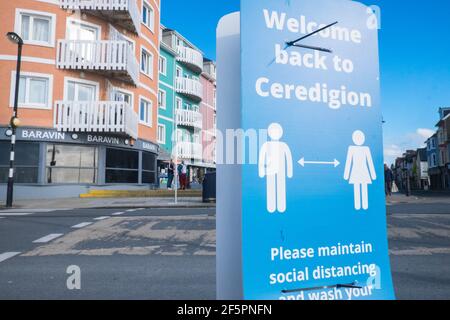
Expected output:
{"points": [[420, 197], [78, 203]]}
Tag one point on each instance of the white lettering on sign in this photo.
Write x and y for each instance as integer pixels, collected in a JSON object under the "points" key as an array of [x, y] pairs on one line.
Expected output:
{"points": [[319, 93], [294, 58], [102, 139], [279, 21], [148, 146], [43, 135]]}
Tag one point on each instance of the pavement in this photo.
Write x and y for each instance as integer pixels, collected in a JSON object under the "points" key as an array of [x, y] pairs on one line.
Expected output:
{"points": [[101, 203], [169, 253]]}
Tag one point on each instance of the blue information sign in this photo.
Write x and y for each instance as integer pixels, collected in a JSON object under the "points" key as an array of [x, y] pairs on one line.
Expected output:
{"points": [[313, 208]]}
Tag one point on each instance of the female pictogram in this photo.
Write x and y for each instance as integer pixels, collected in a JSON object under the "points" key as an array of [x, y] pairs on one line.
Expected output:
{"points": [[360, 170]]}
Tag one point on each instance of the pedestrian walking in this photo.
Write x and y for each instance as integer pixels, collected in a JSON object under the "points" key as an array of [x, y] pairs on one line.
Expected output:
{"points": [[170, 174], [388, 180], [182, 172]]}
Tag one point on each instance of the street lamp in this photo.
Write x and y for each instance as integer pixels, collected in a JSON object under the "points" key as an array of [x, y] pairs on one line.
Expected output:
{"points": [[14, 123]]}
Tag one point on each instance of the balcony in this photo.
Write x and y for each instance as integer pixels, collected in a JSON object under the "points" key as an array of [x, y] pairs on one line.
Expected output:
{"points": [[191, 88], [96, 116], [191, 58], [124, 13], [210, 70], [114, 59], [189, 150], [189, 118]]}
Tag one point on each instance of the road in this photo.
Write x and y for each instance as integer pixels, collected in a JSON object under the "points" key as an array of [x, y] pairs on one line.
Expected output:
{"points": [[142, 254], [419, 243], [170, 253]]}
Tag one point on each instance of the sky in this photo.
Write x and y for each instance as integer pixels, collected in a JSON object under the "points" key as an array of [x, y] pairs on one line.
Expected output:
{"points": [[414, 59]]}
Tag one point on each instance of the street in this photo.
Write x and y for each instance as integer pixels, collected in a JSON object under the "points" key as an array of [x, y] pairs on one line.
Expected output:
{"points": [[170, 253], [136, 254]]}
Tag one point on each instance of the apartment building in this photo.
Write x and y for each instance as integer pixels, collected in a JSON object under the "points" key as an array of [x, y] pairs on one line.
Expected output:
{"points": [[88, 95], [186, 107], [443, 141], [433, 162], [166, 101], [209, 112]]}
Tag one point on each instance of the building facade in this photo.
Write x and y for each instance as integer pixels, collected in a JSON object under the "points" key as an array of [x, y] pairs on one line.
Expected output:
{"points": [[433, 163], [209, 113], [186, 105], [166, 101], [443, 141], [422, 179], [88, 95]]}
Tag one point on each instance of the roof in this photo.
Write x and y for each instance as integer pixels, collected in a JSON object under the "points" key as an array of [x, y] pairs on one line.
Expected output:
{"points": [[422, 153], [168, 30], [442, 120]]}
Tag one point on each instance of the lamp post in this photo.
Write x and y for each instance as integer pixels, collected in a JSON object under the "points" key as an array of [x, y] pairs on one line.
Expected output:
{"points": [[14, 123]]}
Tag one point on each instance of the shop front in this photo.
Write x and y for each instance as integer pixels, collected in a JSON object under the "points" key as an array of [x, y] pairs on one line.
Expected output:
{"points": [[51, 164]]}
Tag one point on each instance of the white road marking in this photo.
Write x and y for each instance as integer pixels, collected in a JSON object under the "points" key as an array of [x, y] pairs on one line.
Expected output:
{"points": [[101, 218], [118, 213], [132, 210], [81, 225], [8, 255], [15, 214], [48, 238]]}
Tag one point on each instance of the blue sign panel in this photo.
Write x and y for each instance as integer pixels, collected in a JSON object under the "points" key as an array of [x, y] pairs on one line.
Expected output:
{"points": [[313, 207]]}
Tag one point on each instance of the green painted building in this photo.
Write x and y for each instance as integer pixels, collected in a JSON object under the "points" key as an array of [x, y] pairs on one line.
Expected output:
{"points": [[180, 96]]}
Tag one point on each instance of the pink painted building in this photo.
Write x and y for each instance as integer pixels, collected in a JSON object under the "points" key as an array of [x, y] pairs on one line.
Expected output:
{"points": [[208, 111]]}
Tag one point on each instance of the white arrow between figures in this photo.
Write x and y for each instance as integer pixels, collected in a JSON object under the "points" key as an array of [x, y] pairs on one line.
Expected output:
{"points": [[302, 162]]}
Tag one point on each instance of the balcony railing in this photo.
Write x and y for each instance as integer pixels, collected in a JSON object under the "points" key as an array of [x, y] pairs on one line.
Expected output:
{"points": [[124, 13], [96, 116], [189, 118], [210, 69], [188, 150], [113, 58], [189, 87], [191, 57]]}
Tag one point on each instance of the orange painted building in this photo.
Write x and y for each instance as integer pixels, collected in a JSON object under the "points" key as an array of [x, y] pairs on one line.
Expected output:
{"points": [[88, 92]]}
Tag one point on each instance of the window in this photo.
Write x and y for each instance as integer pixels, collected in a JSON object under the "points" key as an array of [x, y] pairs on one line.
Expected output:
{"points": [[178, 103], [179, 72], [148, 16], [146, 112], [161, 134], [80, 90], [433, 160], [148, 168], [162, 99], [147, 63], [26, 162], [35, 27], [121, 166], [35, 90], [122, 96], [80, 30], [162, 65], [71, 164]]}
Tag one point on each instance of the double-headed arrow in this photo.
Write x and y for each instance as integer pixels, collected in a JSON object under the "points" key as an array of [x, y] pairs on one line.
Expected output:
{"points": [[303, 162]]}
